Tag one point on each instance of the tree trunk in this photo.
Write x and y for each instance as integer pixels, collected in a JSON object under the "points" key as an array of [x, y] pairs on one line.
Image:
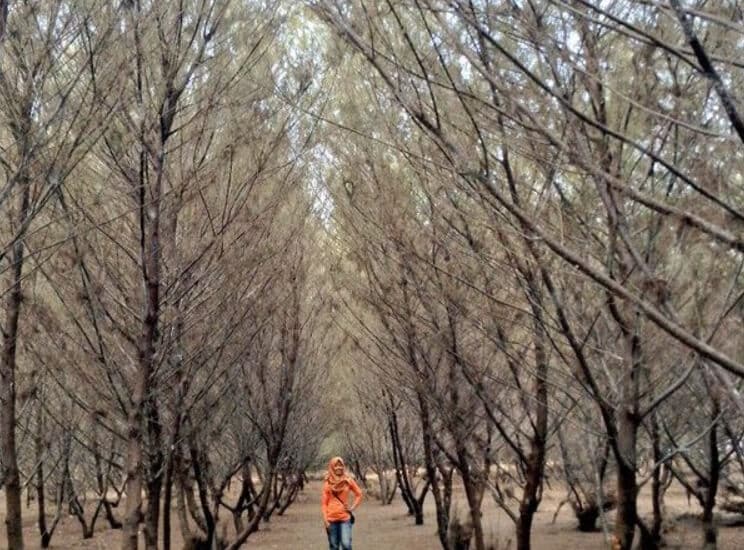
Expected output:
{"points": [[291, 496], [167, 499], [13, 519], [431, 471], [103, 481], [534, 476], [625, 521], [44, 533], [247, 498], [182, 489], [710, 532], [134, 465], [414, 505], [263, 503], [627, 432], [474, 503], [657, 491], [535, 466], [418, 515], [135, 456], [149, 215], [155, 474], [152, 514], [201, 483]]}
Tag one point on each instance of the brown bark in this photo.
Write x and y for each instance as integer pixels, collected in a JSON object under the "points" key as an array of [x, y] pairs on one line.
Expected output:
{"points": [[44, 533], [253, 523], [201, 483], [14, 301], [441, 501], [183, 489], [177, 392], [535, 466], [168, 483], [472, 494], [155, 475], [248, 498], [415, 503], [152, 513], [625, 521], [149, 194], [710, 532], [626, 439], [103, 480], [135, 462], [659, 482], [290, 498], [470, 482]]}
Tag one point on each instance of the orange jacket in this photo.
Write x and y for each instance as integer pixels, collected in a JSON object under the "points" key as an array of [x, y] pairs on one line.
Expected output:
{"points": [[333, 508]]}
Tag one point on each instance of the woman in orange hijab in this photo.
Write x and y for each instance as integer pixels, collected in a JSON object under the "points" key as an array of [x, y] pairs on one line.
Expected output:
{"points": [[337, 514]]}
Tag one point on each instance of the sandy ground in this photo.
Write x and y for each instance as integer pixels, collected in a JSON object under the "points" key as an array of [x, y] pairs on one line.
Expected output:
{"points": [[389, 528]]}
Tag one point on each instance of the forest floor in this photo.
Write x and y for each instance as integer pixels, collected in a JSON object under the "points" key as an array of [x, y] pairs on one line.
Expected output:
{"points": [[389, 528]]}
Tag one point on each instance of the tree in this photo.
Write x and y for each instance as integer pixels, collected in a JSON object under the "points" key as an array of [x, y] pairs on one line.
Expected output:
{"points": [[535, 123], [52, 114]]}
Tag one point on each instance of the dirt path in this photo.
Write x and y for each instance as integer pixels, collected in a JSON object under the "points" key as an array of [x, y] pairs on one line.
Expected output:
{"points": [[390, 528]]}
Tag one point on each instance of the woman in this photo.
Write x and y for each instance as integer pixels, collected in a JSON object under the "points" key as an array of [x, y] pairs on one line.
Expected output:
{"points": [[335, 504]]}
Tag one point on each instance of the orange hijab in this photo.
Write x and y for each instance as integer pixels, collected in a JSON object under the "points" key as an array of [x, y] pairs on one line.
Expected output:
{"points": [[335, 482]]}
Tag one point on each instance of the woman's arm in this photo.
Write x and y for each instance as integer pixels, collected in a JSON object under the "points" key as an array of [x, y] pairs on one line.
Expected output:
{"points": [[324, 496], [357, 495]]}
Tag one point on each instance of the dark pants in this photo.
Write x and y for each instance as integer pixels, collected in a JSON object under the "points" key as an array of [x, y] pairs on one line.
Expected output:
{"points": [[339, 535]]}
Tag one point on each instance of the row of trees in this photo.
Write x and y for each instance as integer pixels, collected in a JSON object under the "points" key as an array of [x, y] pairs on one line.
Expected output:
{"points": [[163, 321], [539, 210], [523, 217]]}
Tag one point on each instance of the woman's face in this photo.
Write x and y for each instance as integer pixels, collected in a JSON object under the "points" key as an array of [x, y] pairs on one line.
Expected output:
{"points": [[338, 468]]}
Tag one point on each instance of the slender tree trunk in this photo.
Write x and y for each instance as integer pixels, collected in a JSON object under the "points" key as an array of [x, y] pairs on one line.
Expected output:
{"points": [[401, 474], [474, 503], [470, 483], [191, 506], [247, 498], [291, 496], [201, 483], [135, 461], [150, 214], [419, 510], [168, 494], [155, 474], [40, 495], [263, 503], [134, 465], [103, 480], [534, 475], [179, 389], [181, 506], [657, 492], [710, 532], [535, 467], [626, 487], [431, 471], [152, 514], [277, 492], [627, 433], [13, 519]]}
